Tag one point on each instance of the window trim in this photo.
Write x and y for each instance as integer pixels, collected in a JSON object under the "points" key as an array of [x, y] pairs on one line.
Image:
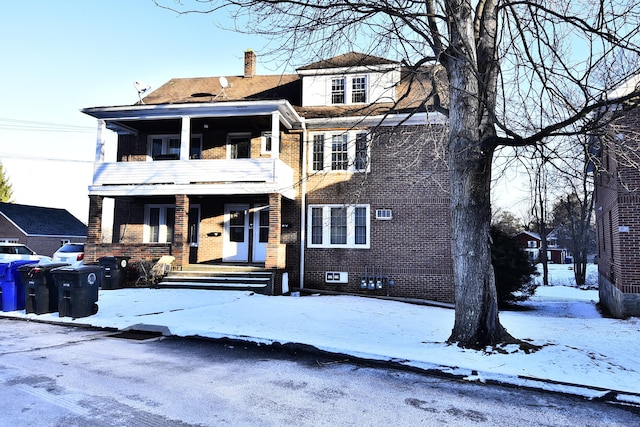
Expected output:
{"points": [[326, 226], [322, 160]]}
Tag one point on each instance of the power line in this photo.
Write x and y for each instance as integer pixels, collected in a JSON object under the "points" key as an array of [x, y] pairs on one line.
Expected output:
{"points": [[42, 158], [34, 126]]}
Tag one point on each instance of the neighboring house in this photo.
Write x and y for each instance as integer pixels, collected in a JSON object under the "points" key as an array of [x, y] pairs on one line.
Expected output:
{"points": [[334, 175], [617, 205], [43, 230], [532, 243]]}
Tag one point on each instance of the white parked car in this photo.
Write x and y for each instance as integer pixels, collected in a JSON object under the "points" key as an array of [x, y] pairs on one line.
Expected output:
{"points": [[18, 251], [70, 253]]}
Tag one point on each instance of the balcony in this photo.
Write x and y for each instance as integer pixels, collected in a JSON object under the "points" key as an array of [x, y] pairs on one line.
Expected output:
{"points": [[193, 177]]}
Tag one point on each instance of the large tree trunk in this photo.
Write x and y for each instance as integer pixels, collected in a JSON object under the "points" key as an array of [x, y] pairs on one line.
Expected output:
{"points": [[470, 153], [477, 323]]}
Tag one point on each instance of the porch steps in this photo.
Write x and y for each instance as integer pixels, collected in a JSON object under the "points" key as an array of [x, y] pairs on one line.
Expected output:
{"points": [[234, 278]]}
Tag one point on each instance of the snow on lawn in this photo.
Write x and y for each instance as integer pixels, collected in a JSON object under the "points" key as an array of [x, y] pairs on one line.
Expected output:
{"points": [[578, 345]]}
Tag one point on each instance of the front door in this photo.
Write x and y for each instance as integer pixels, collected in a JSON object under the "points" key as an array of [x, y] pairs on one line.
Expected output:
{"points": [[260, 233], [236, 233]]}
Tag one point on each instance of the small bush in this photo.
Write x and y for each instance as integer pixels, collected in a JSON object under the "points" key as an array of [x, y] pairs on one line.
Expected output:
{"points": [[513, 270]]}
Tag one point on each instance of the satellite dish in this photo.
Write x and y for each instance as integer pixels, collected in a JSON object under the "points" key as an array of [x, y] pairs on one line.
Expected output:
{"points": [[224, 83], [141, 87]]}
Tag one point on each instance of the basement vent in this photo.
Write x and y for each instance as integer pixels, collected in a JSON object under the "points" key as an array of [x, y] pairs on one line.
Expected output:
{"points": [[384, 214], [336, 277]]}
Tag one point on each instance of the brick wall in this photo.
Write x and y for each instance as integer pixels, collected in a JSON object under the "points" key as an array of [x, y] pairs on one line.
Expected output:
{"points": [[618, 215], [408, 176]]}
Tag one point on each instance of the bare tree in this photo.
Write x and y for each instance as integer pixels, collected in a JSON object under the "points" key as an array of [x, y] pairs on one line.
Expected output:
{"points": [[509, 64]]}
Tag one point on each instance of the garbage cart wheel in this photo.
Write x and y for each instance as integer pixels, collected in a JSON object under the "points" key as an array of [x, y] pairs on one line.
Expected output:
{"points": [[95, 308]]}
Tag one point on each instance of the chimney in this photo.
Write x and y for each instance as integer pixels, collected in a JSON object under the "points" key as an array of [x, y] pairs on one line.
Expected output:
{"points": [[249, 63]]}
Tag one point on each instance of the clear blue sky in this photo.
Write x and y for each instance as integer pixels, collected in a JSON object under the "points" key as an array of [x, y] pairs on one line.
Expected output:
{"points": [[59, 56]]}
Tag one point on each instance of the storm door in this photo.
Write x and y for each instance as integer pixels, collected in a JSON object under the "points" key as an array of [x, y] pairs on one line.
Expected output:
{"points": [[260, 233], [236, 233]]}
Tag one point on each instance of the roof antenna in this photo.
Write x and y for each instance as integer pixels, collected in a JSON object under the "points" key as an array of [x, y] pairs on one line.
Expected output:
{"points": [[141, 87], [224, 83]]}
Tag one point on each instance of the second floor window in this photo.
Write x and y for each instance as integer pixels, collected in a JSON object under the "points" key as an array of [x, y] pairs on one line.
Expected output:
{"points": [[167, 147], [339, 152], [337, 91], [344, 151], [239, 146], [164, 147], [318, 152]]}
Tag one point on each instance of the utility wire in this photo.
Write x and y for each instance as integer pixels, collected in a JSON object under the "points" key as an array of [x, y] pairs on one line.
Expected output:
{"points": [[31, 126], [41, 158]]}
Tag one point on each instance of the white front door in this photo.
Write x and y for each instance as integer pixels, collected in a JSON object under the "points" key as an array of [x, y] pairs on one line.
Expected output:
{"points": [[236, 233], [260, 233]]}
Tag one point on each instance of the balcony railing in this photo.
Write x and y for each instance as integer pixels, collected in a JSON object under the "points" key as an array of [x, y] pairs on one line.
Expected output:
{"points": [[237, 176]]}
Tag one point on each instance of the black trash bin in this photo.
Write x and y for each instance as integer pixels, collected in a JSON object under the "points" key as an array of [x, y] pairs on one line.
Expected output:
{"points": [[78, 289], [115, 271], [41, 292]]}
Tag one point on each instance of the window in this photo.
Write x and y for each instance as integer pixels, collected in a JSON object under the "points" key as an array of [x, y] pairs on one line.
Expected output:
{"points": [[339, 152], [195, 149], [164, 147], [339, 226], [318, 152], [239, 145], [159, 223], [359, 89], [532, 244], [337, 91], [362, 152], [345, 151], [266, 142], [167, 147], [384, 214]]}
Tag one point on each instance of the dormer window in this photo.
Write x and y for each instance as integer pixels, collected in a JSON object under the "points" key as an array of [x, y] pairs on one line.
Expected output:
{"points": [[359, 89], [337, 91]]}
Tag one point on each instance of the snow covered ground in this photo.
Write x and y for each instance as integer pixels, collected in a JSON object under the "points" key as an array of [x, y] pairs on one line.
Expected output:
{"points": [[582, 352]]}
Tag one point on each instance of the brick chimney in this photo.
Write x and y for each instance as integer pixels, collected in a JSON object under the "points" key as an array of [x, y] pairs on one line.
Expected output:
{"points": [[249, 63]]}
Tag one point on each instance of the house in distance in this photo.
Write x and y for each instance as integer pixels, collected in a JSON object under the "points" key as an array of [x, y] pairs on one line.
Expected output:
{"points": [[332, 178]]}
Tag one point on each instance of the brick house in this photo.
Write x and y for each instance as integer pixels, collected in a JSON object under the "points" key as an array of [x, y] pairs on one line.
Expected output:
{"points": [[42, 229], [617, 201], [532, 244], [332, 177]]}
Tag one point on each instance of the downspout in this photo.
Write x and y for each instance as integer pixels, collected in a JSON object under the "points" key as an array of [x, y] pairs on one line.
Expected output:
{"points": [[303, 202]]}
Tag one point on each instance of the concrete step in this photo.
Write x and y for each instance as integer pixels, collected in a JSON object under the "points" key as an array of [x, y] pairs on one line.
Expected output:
{"points": [[224, 278]]}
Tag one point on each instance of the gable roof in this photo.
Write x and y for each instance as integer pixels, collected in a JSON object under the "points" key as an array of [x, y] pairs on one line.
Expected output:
{"points": [[35, 220], [414, 89]]}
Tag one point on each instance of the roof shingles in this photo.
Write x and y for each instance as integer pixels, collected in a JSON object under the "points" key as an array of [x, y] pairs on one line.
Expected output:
{"points": [[35, 220]]}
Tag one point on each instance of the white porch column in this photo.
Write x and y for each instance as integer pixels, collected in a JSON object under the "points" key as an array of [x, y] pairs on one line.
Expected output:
{"points": [[275, 135], [185, 138], [101, 141]]}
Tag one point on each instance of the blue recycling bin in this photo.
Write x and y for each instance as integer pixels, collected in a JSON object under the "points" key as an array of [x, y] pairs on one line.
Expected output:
{"points": [[11, 286], [78, 289]]}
